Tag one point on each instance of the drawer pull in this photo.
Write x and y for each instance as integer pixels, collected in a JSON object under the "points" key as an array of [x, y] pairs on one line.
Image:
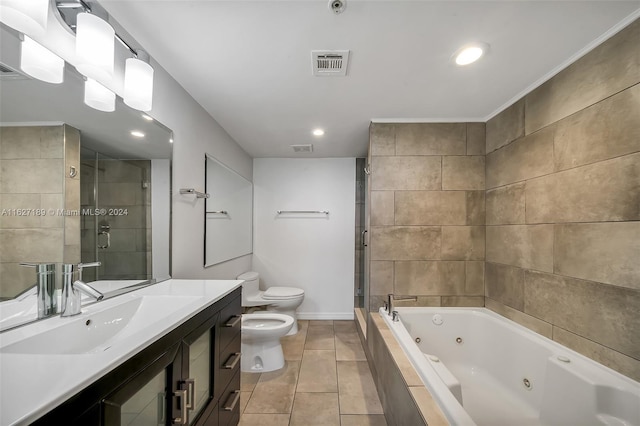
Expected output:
{"points": [[182, 397], [234, 321], [234, 397], [232, 361]]}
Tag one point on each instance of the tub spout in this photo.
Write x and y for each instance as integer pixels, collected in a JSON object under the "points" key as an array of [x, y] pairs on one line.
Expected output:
{"points": [[391, 298]]}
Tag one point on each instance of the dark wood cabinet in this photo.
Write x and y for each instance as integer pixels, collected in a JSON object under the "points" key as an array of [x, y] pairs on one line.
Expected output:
{"points": [[190, 376]]}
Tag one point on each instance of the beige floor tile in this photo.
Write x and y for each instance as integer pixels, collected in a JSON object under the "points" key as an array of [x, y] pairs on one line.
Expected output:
{"points": [[348, 346], [320, 337], [319, 323], [248, 381], [318, 372], [264, 420], [344, 326], [358, 394], [244, 400], [311, 409], [363, 420], [293, 346], [274, 391]]}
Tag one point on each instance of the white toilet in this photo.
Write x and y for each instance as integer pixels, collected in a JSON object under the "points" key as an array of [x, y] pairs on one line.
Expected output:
{"points": [[282, 300], [261, 348]]}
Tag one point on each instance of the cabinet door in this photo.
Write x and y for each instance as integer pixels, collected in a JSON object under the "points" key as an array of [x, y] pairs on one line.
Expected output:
{"points": [[147, 399], [197, 360]]}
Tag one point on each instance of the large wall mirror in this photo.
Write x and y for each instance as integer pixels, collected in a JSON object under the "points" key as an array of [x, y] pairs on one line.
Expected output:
{"points": [[77, 186], [228, 213]]}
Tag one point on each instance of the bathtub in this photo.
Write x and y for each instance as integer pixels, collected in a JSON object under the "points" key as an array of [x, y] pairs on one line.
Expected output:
{"points": [[484, 369]]}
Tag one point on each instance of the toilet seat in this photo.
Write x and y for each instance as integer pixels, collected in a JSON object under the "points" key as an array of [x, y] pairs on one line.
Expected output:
{"points": [[265, 322], [282, 293]]}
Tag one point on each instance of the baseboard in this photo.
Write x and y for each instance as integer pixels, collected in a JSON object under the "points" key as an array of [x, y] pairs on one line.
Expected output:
{"points": [[325, 315]]}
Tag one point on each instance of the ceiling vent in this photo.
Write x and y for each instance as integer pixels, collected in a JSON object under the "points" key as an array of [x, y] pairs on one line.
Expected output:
{"points": [[302, 148], [8, 73], [330, 62]]}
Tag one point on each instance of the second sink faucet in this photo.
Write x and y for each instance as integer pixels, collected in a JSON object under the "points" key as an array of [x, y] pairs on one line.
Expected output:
{"points": [[72, 287], [391, 298]]}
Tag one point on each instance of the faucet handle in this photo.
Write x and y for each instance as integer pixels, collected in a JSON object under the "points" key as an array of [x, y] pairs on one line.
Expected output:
{"points": [[88, 265]]}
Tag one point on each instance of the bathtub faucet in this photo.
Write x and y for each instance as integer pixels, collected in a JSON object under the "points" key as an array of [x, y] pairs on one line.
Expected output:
{"points": [[391, 298]]}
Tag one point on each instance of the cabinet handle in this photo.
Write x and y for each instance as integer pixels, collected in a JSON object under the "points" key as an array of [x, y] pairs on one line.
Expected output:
{"points": [[232, 323], [232, 361], [191, 393], [182, 395], [234, 397]]}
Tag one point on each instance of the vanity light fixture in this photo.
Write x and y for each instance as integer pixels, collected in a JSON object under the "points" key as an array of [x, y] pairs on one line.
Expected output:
{"points": [[138, 82], [39, 62], [95, 47], [25, 16], [470, 53], [137, 134], [318, 132], [99, 97]]}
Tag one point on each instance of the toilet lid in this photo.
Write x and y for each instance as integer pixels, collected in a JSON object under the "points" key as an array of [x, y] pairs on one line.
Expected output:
{"points": [[283, 293]]}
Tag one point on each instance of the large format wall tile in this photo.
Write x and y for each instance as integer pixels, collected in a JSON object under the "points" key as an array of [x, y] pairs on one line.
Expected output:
{"points": [[31, 245], [506, 205], [405, 243], [406, 173], [429, 278], [526, 158], [463, 242], [31, 142], [605, 130], [430, 208], [605, 191], [463, 172], [505, 127], [475, 208], [521, 318], [526, 246], [505, 284], [431, 139], [474, 279], [569, 303], [382, 138], [603, 252], [612, 359], [476, 138], [606, 70], [32, 176], [381, 277], [382, 208]]}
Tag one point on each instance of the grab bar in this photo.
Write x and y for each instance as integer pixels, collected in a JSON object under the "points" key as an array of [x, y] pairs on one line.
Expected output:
{"points": [[198, 194], [302, 211]]}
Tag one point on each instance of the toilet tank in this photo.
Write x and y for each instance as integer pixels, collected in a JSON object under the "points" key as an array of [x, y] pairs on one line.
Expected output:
{"points": [[250, 286]]}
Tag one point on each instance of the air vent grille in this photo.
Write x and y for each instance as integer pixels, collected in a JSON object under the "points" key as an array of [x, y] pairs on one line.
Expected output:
{"points": [[330, 62], [302, 148]]}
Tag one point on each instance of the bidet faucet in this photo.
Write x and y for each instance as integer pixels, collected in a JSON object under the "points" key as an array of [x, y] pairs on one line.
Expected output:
{"points": [[391, 298], [71, 288]]}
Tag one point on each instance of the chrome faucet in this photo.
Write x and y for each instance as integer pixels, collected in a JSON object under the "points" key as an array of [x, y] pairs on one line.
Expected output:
{"points": [[71, 288], [45, 288], [391, 298]]}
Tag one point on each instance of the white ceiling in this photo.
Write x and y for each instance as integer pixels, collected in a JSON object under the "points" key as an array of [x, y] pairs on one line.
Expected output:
{"points": [[248, 63]]}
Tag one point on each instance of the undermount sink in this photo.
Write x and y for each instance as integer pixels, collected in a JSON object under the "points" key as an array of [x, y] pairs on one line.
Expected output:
{"points": [[97, 330]]}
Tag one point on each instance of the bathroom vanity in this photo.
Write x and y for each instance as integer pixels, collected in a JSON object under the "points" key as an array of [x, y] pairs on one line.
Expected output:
{"points": [[166, 354]]}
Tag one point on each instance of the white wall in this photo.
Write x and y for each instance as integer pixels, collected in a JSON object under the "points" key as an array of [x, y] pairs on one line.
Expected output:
{"points": [[195, 133], [314, 252]]}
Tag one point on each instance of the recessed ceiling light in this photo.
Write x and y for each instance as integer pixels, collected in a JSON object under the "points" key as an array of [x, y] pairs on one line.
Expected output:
{"points": [[137, 134], [318, 132], [470, 53], [147, 117], [170, 140]]}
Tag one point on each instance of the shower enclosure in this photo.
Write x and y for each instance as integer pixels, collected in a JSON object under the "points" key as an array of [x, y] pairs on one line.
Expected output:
{"points": [[360, 290], [115, 200]]}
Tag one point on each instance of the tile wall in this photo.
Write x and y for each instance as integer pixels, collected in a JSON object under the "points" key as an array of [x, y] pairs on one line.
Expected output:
{"points": [[563, 206], [34, 175], [427, 217]]}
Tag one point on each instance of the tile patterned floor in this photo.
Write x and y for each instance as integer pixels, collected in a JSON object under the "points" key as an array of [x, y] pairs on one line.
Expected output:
{"points": [[326, 381]]}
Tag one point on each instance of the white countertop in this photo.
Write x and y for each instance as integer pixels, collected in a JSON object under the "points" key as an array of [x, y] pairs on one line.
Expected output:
{"points": [[33, 384]]}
